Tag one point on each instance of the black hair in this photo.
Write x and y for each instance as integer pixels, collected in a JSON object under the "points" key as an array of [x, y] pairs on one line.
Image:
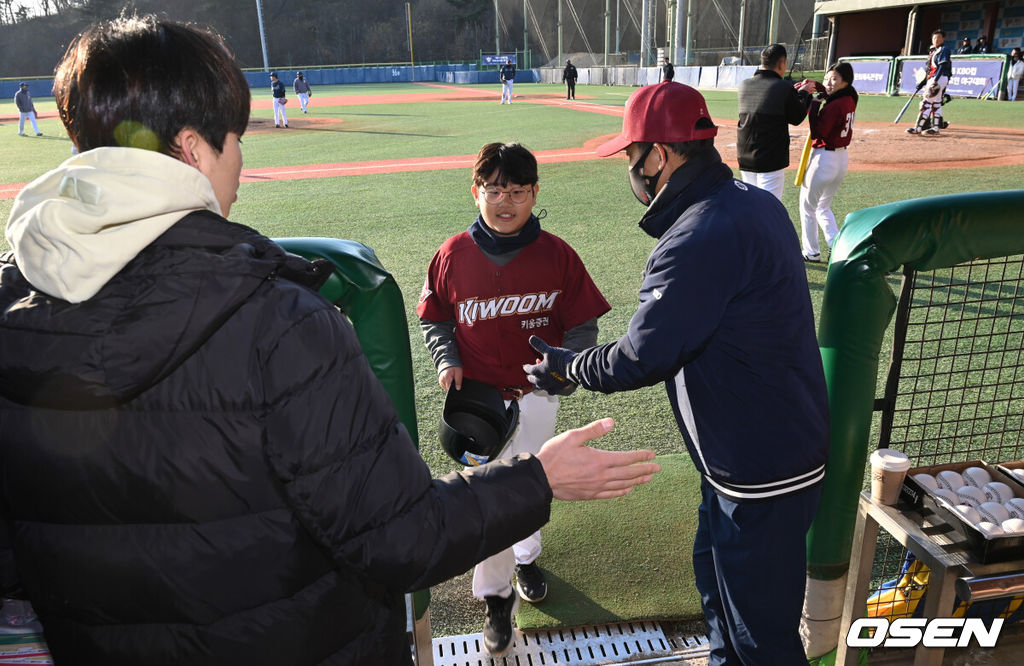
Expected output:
{"points": [[772, 55], [940, 32], [137, 81], [843, 69], [512, 161]]}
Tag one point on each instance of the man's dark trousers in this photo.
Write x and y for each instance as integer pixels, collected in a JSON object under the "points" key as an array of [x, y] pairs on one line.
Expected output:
{"points": [[750, 563]]}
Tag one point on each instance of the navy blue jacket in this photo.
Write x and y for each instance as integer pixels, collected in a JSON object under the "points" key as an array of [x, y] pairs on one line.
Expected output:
{"points": [[725, 321], [507, 72], [940, 59]]}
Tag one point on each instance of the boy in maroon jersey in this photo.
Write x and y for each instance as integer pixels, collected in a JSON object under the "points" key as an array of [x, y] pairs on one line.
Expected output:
{"points": [[488, 289], [830, 116]]}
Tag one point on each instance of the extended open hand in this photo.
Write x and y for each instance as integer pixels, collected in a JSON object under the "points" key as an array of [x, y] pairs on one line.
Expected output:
{"points": [[578, 472]]}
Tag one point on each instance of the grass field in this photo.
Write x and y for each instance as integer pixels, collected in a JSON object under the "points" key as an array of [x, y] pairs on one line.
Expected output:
{"points": [[405, 216]]}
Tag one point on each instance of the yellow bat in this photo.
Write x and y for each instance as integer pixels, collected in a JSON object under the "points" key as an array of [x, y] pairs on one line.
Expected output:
{"points": [[805, 157]]}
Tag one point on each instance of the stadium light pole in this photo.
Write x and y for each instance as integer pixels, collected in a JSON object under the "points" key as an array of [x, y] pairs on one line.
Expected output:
{"points": [[607, 35], [689, 32], [743, 20], [263, 34], [412, 62], [526, 36], [497, 44], [559, 31]]}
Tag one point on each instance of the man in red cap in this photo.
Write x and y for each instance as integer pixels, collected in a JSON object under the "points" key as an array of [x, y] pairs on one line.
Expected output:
{"points": [[725, 321]]}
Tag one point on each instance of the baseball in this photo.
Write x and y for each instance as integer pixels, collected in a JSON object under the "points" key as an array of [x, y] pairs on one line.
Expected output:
{"points": [[1015, 507], [926, 481], [989, 529], [997, 491], [993, 512], [1019, 473], [969, 513], [976, 476], [948, 495], [949, 480], [1013, 526], [972, 496]]}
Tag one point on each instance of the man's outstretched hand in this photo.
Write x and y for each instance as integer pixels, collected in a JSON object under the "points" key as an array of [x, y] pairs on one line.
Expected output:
{"points": [[578, 472], [549, 372]]}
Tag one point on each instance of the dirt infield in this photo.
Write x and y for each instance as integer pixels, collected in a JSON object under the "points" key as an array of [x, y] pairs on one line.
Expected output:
{"points": [[875, 147]]}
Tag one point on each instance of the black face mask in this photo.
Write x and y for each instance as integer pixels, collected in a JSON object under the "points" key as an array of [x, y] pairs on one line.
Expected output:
{"points": [[644, 187]]}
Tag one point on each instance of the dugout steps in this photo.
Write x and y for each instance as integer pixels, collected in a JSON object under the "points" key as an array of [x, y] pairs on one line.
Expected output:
{"points": [[635, 642]]}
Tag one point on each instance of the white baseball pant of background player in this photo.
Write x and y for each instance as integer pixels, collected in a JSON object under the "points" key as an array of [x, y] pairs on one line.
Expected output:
{"points": [[303, 100], [932, 104], [31, 116], [493, 576], [506, 91], [772, 181], [279, 112], [825, 173]]}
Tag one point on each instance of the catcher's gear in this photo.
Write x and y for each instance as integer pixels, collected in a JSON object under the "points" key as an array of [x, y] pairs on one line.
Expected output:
{"points": [[475, 424], [551, 374]]}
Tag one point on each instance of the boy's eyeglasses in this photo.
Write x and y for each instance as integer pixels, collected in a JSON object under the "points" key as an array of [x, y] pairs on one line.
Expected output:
{"points": [[493, 195]]}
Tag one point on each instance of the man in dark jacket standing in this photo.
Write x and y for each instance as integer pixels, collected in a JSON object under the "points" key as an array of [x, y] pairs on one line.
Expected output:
{"points": [[768, 105], [725, 321], [569, 76], [26, 110], [198, 465], [668, 72]]}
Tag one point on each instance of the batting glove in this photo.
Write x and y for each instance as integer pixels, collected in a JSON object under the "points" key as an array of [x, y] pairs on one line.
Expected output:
{"points": [[551, 374]]}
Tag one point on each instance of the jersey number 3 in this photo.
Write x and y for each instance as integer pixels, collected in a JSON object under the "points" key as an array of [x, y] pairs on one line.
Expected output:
{"points": [[848, 127]]}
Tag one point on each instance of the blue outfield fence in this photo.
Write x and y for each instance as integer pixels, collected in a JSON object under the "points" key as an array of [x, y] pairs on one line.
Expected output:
{"points": [[39, 87]]}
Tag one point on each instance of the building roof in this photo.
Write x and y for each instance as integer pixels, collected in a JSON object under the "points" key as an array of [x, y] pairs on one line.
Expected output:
{"points": [[832, 7]]}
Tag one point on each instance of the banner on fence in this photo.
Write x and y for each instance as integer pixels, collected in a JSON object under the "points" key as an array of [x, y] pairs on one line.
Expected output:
{"points": [[972, 77], [498, 60], [870, 76]]}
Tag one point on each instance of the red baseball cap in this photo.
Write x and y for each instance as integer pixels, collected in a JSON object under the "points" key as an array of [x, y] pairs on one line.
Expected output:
{"points": [[665, 113]]}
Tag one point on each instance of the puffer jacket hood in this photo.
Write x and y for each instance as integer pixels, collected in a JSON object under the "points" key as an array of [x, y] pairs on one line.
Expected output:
{"points": [[75, 227]]}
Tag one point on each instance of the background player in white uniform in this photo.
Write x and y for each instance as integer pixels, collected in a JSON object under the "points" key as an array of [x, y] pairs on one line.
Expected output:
{"points": [[831, 122], [488, 289]]}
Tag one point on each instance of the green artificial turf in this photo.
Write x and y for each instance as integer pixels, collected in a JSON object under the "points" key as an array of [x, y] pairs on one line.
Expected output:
{"points": [[623, 559]]}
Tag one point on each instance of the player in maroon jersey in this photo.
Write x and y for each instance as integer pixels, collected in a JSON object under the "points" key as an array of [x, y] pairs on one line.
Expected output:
{"points": [[830, 116], [488, 289]]}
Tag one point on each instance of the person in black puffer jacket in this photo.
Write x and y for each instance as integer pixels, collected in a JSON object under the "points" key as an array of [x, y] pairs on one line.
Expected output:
{"points": [[196, 460]]}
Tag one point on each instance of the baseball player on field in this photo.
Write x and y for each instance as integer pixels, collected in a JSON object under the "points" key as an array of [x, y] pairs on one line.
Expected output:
{"points": [[940, 68], [302, 90], [488, 289], [507, 74], [277, 88], [830, 116]]}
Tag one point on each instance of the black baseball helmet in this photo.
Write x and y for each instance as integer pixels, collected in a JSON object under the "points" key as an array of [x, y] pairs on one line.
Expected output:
{"points": [[475, 424]]}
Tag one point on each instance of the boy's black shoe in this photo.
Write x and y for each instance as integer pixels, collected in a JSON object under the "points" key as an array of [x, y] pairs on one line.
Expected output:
{"points": [[530, 583], [498, 623]]}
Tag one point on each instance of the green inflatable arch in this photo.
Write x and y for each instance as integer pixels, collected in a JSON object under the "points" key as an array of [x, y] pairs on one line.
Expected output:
{"points": [[922, 234], [369, 296]]}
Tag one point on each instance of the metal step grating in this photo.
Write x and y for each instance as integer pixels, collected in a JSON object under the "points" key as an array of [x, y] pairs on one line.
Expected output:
{"points": [[622, 643]]}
